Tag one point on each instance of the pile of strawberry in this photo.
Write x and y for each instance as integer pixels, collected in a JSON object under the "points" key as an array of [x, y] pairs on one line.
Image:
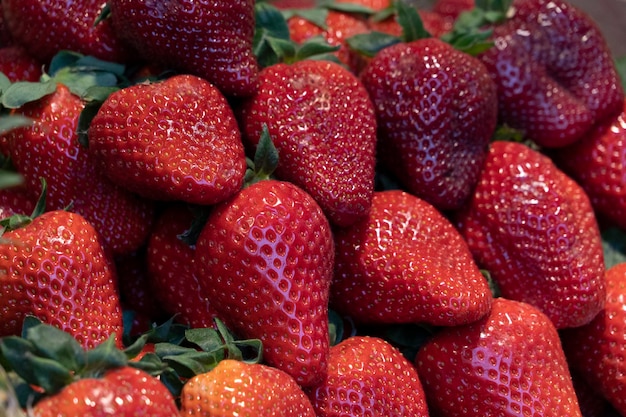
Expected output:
{"points": [[305, 208]]}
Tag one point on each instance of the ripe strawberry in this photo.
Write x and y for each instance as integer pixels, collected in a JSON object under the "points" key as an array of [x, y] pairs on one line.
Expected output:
{"points": [[265, 259], [211, 39], [18, 65], [451, 9], [57, 269], [436, 112], [598, 163], [368, 376], [45, 27], [406, 263], [322, 122], [50, 149], [533, 228], [434, 24], [171, 269], [15, 200], [175, 139], [338, 27], [511, 363], [122, 392], [597, 350], [555, 75], [235, 388]]}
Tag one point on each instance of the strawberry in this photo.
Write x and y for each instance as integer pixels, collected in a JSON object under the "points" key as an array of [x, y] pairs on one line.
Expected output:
{"points": [[135, 393], [555, 75], [533, 228], [451, 9], [322, 122], [406, 263], [15, 200], [171, 271], [597, 349], [211, 39], [264, 259], [49, 148], [18, 65], [45, 27], [433, 23], [57, 269], [368, 376], [510, 363], [436, 112], [597, 162], [235, 388], [175, 139]]}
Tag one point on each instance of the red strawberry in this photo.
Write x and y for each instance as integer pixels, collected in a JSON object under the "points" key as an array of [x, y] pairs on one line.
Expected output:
{"points": [[511, 363], [555, 75], [376, 5], [434, 24], [50, 149], [57, 269], [175, 139], [338, 27], [235, 388], [208, 38], [123, 392], [534, 229], [45, 27], [451, 9], [15, 200], [406, 263], [322, 122], [597, 350], [368, 376], [598, 163], [265, 259], [171, 268], [18, 65], [436, 112]]}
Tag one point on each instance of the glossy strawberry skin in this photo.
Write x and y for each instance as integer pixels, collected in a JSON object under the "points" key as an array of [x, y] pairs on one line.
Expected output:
{"points": [[62, 25], [208, 38], [511, 363], [171, 140], [322, 122], [50, 149], [15, 200], [18, 65], [597, 349], [123, 392], [368, 375], [406, 263], [232, 388], [171, 269], [554, 72], [57, 269], [533, 228], [265, 259], [598, 163], [436, 112]]}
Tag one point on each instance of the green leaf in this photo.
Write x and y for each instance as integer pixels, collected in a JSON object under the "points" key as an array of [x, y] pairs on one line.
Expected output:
{"points": [[4, 82], [614, 246], [188, 362], [316, 15], [335, 327], [369, 44], [103, 357], [620, 63], [84, 121], [201, 215], [352, 8], [55, 344], [315, 47], [63, 59], [151, 364], [271, 20], [272, 42], [207, 339], [14, 121], [92, 63], [80, 82], [22, 92], [410, 22], [10, 179], [265, 159]]}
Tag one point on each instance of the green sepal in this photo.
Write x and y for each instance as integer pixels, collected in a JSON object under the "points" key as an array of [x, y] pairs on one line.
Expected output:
{"points": [[10, 179], [614, 246], [207, 339], [315, 47], [384, 14], [620, 64], [103, 357], [188, 362], [352, 8], [265, 159], [315, 15], [271, 42], [21, 92], [14, 121], [335, 327], [493, 285], [104, 14], [55, 344], [410, 22], [369, 44], [17, 221], [4, 82], [84, 121], [200, 217], [248, 350], [151, 364], [79, 62]]}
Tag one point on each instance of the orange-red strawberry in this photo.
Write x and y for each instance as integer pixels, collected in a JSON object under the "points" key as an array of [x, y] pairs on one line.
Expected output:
{"points": [[597, 350], [322, 122], [235, 388], [45, 27], [598, 163], [436, 112], [368, 376], [533, 228], [56, 268], [208, 38], [264, 259], [511, 363], [175, 139], [121, 392], [406, 263]]}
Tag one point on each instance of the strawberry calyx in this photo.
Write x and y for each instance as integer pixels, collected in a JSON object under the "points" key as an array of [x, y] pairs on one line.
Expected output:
{"points": [[265, 160], [272, 42], [318, 15]]}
